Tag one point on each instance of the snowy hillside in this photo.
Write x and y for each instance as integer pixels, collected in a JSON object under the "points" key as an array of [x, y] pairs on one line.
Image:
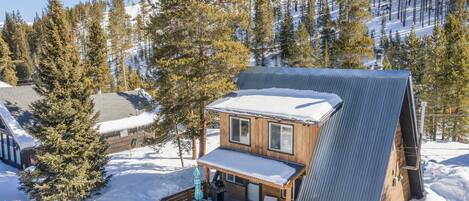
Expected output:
{"points": [[141, 174]]}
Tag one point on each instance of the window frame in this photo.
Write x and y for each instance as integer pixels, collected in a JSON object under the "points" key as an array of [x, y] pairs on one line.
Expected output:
{"points": [[234, 179], [292, 138], [231, 130]]}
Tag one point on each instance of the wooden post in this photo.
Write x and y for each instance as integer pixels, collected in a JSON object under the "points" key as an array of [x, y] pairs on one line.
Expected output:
{"points": [[207, 181], [288, 193]]}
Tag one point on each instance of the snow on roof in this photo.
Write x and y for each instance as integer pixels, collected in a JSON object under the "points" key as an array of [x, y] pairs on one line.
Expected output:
{"points": [[21, 137], [307, 106], [3, 84], [142, 119], [274, 171]]}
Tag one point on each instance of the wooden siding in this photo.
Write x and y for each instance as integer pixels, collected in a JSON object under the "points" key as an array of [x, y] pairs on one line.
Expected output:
{"points": [[234, 191], [117, 143], [396, 189], [304, 139]]}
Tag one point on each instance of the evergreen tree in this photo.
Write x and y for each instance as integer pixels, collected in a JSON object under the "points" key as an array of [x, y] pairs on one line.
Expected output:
{"points": [[15, 32], [310, 16], [327, 34], [7, 66], [262, 31], [316, 45], [384, 43], [35, 38], [195, 59], [414, 57], [302, 52], [457, 68], [97, 67], [432, 79], [287, 40], [353, 44], [71, 157], [118, 36]]}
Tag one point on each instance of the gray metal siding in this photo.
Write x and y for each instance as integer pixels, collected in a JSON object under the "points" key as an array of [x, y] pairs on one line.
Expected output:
{"points": [[354, 145]]}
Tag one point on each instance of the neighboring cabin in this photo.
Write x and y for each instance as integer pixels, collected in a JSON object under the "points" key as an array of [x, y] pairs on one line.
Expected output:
{"points": [[316, 134], [123, 121]]}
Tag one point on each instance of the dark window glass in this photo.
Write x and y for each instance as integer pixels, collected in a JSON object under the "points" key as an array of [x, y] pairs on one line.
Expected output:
{"points": [[235, 130], [239, 180], [274, 136]]}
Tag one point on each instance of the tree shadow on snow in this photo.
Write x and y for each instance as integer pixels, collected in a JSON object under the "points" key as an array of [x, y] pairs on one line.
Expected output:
{"points": [[462, 160]]}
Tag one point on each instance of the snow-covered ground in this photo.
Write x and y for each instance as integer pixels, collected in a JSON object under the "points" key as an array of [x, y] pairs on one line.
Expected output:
{"points": [[9, 184], [446, 175], [142, 174]]}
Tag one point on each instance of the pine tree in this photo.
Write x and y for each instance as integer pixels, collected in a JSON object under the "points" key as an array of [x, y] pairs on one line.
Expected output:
{"points": [[327, 34], [118, 36], [414, 57], [70, 159], [262, 31], [432, 79], [15, 32], [7, 66], [353, 44], [97, 67], [35, 38], [196, 60], [302, 52], [287, 40], [310, 16], [384, 43], [457, 67], [316, 45]]}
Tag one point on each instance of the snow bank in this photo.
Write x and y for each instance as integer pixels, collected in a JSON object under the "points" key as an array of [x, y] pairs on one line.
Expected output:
{"points": [[143, 119], [21, 137], [446, 171], [303, 105], [3, 84], [9, 184], [273, 171]]}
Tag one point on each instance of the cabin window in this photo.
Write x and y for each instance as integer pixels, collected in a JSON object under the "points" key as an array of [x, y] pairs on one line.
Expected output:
{"points": [[281, 137], [234, 179], [239, 130]]}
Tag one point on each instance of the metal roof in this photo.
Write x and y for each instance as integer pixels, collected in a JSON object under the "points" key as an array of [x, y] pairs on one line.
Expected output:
{"points": [[111, 106], [354, 146]]}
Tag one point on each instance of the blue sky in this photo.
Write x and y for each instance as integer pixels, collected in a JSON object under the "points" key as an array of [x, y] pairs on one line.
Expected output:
{"points": [[28, 8]]}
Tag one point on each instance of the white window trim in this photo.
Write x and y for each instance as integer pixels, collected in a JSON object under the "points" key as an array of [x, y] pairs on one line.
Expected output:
{"points": [[292, 138], [249, 130], [231, 181]]}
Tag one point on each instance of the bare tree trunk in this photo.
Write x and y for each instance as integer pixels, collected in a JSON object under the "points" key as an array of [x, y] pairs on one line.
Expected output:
{"points": [[194, 146], [379, 7], [435, 16], [390, 9], [178, 139], [194, 140], [399, 9], [203, 134], [443, 128], [414, 18], [405, 15], [429, 11]]}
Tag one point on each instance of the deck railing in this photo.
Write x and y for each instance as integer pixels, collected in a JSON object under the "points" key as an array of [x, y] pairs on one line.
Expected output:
{"points": [[184, 195]]}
